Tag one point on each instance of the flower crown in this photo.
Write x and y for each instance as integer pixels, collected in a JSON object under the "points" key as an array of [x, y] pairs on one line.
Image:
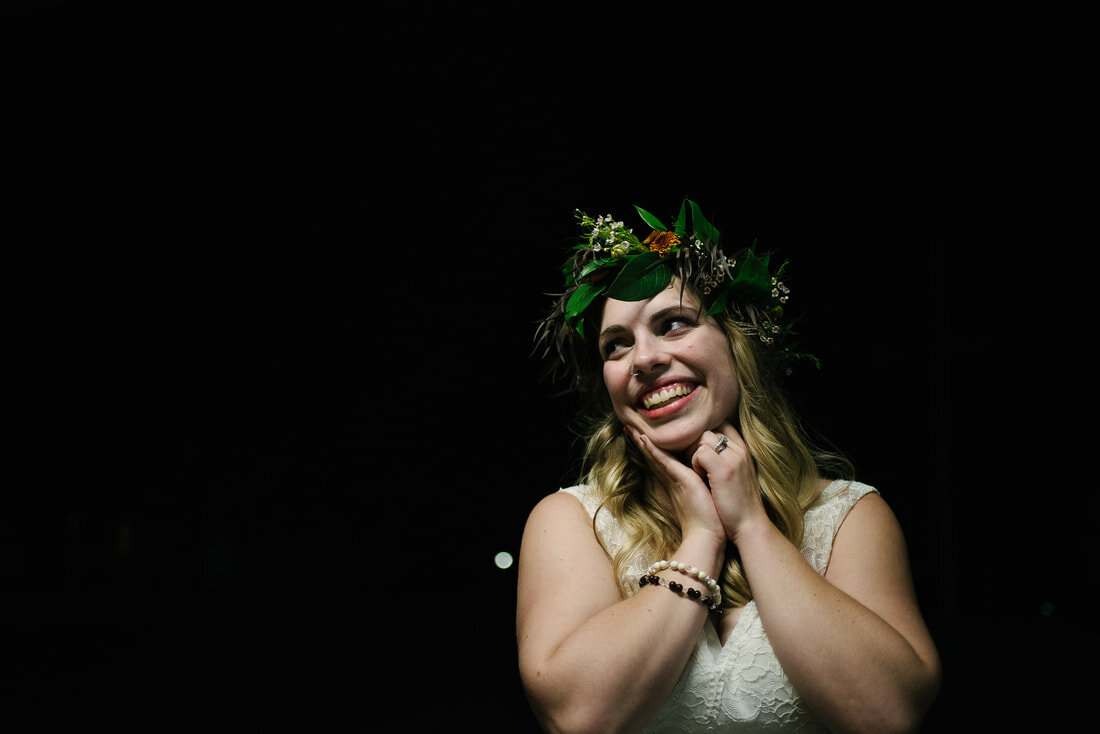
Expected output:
{"points": [[611, 261]]}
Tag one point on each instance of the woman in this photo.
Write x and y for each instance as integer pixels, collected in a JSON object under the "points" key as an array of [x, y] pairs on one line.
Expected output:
{"points": [[706, 575]]}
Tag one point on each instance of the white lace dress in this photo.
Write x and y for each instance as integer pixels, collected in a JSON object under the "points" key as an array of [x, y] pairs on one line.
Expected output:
{"points": [[739, 686]]}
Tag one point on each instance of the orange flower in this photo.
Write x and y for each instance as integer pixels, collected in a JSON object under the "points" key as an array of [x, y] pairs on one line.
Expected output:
{"points": [[661, 242]]}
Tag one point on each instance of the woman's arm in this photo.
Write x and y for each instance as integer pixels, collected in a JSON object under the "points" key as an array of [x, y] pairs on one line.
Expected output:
{"points": [[853, 642], [590, 660]]}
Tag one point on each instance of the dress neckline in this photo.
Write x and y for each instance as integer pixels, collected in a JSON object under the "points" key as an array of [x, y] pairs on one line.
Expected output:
{"points": [[739, 627]]}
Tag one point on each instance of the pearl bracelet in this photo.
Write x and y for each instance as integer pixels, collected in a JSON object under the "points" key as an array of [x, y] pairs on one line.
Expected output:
{"points": [[677, 588], [692, 571]]}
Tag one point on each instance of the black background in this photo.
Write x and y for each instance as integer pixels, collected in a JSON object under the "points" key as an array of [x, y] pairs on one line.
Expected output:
{"points": [[272, 279]]}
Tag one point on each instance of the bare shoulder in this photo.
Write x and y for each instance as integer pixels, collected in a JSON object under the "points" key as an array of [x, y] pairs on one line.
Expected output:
{"points": [[560, 549], [869, 559], [869, 521], [559, 535], [557, 518], [869, 532], [557, 506]]}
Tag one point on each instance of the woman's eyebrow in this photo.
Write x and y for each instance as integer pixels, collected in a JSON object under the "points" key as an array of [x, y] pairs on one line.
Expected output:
{"points": [[613, 329]]}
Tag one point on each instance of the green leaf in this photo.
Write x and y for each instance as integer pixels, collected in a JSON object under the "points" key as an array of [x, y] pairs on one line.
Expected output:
{"points": [[651, 220], [591, 268], [581, 298], [719, 304], [752, 280], [641, 278], [703, 229], [680, 225], [578, 324], [754, 268]]}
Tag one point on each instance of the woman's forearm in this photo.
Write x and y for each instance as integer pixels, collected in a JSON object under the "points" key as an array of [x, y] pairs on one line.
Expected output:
{"points": [[615, 671]]}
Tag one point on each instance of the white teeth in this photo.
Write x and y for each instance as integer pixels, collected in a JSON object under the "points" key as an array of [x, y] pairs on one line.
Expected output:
{"points": [[666, 394]]}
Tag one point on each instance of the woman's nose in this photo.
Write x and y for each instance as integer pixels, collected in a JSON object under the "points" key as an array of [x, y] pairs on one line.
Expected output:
{"points": [[649, 357]]}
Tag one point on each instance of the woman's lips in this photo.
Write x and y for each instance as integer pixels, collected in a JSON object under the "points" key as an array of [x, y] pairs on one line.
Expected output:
{"points": [[667, 399]]}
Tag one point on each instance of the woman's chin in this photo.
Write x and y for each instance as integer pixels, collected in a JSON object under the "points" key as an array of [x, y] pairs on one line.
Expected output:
{"points": [[674, 444], [674, 437]]}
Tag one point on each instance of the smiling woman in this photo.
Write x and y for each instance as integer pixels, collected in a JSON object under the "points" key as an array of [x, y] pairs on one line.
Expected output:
{"points": [[697, 480]]}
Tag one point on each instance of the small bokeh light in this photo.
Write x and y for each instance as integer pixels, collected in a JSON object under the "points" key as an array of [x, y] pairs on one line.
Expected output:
{"points": [[503, 559]]}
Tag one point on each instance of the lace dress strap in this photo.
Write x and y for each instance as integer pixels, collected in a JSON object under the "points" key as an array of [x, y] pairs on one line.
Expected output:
{"points": [[824, 518]]}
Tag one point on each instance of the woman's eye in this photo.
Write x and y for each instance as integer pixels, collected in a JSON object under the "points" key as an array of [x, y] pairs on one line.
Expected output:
{"points": [[674, 324], [608, 349]]}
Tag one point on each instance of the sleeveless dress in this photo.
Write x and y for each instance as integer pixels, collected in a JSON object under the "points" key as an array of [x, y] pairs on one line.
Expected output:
{"points": [[739, 686]]}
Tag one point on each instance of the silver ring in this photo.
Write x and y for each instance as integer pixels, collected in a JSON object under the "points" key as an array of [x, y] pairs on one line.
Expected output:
{"points": [[723, 442]]}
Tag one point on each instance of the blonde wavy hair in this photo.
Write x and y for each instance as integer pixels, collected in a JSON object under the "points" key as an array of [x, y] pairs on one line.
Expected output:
{"points": [[788, 467]]}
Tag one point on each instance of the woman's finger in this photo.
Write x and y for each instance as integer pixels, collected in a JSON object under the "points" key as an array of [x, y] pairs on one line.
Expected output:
{"points": [[661, 461], [721, 450]]}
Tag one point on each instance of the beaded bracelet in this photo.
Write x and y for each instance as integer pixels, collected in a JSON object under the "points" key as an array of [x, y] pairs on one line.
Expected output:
{"points": [[691, 571], [678, 588]]}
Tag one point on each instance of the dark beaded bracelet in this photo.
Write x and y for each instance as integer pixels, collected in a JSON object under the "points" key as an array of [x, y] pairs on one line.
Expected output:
{"points": [[678, 588]]}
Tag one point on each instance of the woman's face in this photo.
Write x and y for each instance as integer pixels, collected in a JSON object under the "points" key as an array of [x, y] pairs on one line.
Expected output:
{"points": [[684, 379]]}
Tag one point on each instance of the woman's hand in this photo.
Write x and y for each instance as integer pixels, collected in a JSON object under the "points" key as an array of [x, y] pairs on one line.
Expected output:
{"points": [[718, 490], [731, 476], [687, 490]]}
